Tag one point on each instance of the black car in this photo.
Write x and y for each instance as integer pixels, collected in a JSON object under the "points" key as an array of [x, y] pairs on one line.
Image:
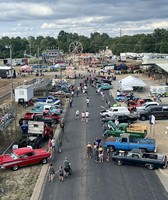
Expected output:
{"points": [[122, 118]]}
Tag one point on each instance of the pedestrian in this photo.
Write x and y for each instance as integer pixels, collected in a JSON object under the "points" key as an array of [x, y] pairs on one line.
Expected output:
{"points": [[108, 154], [49, 146], [87, 101], [77, 114], [70, 102], [61, 174], [103, 96], [59, 145], [87, 116], [67, 167], [62, 125], [89, 150], [101, 154], [116, 121], [96, 153], [109, 103], [72, 93], [82, 116], [53, 143], [97, 141], [51, 173]]}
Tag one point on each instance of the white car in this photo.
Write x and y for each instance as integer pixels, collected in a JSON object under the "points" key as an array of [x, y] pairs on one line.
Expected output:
{"points": [[146, 105], [114, 110]]}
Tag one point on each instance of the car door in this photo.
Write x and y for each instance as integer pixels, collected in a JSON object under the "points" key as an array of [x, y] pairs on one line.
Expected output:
{"points": [[157, 112]]}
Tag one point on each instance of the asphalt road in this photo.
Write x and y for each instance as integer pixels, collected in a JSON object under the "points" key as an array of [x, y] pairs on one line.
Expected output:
{"points": [[97, 181]]}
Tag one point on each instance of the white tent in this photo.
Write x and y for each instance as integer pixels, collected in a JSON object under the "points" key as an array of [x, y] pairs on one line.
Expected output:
{"points": [[131, 81]]}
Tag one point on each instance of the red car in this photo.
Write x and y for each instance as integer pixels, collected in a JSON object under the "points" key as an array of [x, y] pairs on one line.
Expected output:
{"points": [[22, 157]]}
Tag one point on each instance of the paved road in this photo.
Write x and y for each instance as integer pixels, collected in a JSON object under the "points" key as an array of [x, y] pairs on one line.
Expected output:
{"points": [[97, 181]]}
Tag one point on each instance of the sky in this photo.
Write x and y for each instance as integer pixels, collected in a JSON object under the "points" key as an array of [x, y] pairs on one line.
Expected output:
{"points": [[48, 17]]}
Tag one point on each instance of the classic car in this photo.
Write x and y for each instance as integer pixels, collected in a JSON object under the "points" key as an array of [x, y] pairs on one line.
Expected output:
{"points": [[122, 118], [140, 158], [52, 108], [127, 143], [60, 93], [104, 86], [22, 157]]}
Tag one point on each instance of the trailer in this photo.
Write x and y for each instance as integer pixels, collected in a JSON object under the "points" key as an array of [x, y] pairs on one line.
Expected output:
{"points": [[6, 72]]}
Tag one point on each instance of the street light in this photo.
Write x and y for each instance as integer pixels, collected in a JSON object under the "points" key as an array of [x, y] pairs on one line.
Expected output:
{"points": [[10, 47]]}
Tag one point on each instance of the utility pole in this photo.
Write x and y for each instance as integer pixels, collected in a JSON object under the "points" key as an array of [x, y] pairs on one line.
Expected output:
{"points": [[10, 48]]}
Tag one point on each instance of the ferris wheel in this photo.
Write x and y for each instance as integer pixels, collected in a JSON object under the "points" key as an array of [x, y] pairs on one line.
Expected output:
{"points": [[75, 47]]}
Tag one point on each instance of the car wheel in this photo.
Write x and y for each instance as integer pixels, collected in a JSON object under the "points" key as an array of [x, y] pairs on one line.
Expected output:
{"points": [[44, 161], [15, 167], [150, 166], [119, 162], [143, 117], [165, 166]]}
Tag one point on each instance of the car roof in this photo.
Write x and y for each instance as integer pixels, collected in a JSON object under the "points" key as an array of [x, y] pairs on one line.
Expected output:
{"points": [[23, 150]]}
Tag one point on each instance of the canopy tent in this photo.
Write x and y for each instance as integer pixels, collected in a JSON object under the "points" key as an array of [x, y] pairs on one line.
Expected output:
{"points": [[131, 82], [25, 68]]}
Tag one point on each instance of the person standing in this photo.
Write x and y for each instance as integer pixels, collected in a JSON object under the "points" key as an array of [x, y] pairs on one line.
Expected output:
{"points": [[96, 153], [108, 154], [53, 143], [101, 154]]}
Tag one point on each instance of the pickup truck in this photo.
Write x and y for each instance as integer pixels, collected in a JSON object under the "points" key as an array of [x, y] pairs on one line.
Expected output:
{"points": [[36, 116], [160, 112], [146, 105], [49, 108], [127, 143], [133, 104], [114, 110], [49, 100], [134, 130], [140, 158]]}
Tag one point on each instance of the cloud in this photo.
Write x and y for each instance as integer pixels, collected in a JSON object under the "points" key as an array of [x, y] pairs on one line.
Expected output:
{"points": [[49, 17]]}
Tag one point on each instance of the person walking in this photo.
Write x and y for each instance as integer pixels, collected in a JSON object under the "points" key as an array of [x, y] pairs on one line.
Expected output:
{"points": [[83, 116], [87, 101], [61, 173], [70, 102], [62, 125], [59, 145], [77, 114], [89, 150], [87, 116], [67, 167], [51, 173]]}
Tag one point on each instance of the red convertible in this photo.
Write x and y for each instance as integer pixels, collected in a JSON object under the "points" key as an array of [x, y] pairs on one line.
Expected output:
{"points": [[22, 157]]}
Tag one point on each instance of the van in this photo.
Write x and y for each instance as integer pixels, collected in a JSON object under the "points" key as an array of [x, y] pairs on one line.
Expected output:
{"points": [[114, 110]]}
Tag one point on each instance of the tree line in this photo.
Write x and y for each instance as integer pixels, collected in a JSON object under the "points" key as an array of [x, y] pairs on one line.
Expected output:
{"points": [[156, 42]]}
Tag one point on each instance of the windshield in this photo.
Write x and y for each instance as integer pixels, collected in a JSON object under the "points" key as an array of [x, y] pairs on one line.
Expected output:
{"points": [[13, 155]]}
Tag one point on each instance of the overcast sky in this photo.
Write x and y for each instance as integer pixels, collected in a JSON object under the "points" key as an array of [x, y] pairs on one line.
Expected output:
{"points": [[49, 17]]}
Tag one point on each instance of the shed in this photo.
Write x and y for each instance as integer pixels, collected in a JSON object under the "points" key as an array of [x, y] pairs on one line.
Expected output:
{"points": [[24, 92]]}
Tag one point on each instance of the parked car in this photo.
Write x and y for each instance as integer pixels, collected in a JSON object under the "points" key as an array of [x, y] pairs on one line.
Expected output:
{"points": [[104, 86], [23, 157], [146, 105], [122, 118], [159, 112], [60, 93], [140, 158], [113, 110], [127, 143]]}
